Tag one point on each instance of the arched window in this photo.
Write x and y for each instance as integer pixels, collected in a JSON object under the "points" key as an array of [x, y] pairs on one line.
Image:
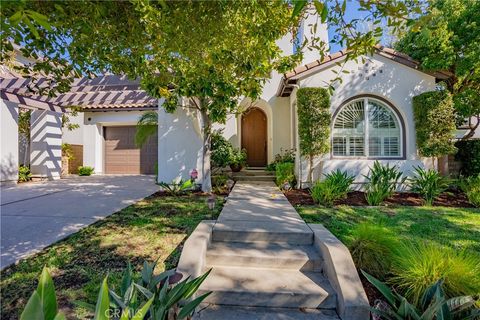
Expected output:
{"points": [[367, 127]]}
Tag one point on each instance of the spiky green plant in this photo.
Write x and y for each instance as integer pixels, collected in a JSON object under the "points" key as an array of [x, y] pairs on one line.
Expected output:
{"points": [[382, 181], [373, 248], [434, 304], [421, 265], [335, 186], [428, 183]]}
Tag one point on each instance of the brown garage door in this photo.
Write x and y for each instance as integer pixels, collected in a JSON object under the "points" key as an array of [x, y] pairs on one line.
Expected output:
{"points": [[122, 156]]}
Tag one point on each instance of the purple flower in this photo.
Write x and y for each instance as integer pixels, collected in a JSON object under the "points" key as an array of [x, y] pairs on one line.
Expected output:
{"points": [[194, 174]]}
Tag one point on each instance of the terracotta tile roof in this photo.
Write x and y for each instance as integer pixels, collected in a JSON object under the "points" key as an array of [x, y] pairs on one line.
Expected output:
{"points": [[144, 105], [292, 76]]}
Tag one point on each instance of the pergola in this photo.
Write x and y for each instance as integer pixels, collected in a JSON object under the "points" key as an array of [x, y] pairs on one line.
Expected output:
{"points": [[46, 119]]}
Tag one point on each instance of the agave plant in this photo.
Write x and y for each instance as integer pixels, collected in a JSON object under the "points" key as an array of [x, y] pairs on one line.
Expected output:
{"points": [[176, 188], [434, 305], [336, 185]]}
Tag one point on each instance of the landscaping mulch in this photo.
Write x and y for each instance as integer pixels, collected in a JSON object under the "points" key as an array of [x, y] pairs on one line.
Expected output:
{"points": [[451, 198]]}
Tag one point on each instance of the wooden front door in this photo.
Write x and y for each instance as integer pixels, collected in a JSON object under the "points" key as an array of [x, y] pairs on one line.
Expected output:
{"points": [[254, 137]]}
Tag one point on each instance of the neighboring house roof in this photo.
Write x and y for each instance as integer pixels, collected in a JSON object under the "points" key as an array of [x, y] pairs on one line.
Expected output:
{"points": [[109, 92], [290, 78]]}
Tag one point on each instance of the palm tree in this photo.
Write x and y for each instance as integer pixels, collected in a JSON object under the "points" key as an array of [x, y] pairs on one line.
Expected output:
{"points": [[146, 126]]}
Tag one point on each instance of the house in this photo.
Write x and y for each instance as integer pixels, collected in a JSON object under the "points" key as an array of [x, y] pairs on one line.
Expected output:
{"points": [[372, 119]]}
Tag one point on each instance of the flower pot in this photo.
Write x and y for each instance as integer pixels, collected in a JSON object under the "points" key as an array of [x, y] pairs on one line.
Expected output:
{"points": [[236, 167]]}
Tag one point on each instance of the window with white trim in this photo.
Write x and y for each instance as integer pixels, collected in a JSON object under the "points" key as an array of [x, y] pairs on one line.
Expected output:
{"points": [[366, 127]]}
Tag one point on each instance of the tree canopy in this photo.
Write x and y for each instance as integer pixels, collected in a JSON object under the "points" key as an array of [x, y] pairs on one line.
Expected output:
{"points": [[213, 53], [449, 39]]}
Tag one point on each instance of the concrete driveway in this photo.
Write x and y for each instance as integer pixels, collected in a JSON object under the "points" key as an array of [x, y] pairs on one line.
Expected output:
{"points": [[35, 215]]}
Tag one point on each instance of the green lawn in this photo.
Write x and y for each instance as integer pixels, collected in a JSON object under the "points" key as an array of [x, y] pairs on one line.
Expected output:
{"points": [[151, 229], [456, 227]]}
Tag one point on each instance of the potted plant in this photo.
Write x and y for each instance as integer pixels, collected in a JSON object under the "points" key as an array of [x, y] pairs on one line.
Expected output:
{"points": [[237, 159]]}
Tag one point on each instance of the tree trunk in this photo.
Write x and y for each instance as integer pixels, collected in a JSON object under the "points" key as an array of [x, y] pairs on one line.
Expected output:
{"points": [[207, 137], [310, 169]]}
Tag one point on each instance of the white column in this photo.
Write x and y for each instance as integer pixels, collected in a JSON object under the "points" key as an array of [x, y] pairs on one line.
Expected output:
{"points": [[9, 141], [179, 145], [46, 144], [93, 145]]}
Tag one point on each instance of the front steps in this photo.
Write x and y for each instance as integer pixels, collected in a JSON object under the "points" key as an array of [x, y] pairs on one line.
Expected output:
{"points": [[254, 174], [267, 263], [243, 286]]}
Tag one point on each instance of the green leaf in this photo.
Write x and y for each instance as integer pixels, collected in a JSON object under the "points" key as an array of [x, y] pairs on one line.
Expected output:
{"points": [[190, 307], [324, 14], [143, 311], [195, 284], [103, 302], [60, 316], [32, 28], [344, 6], [382, 287], [147, 293], [87, 306], [298, 7], [33, 310], [46, 292], [16, 17]]}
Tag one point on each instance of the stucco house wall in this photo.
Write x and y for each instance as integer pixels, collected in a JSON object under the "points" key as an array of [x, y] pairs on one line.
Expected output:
{"points": [[379, 77], [9, 141], [93, 139]]}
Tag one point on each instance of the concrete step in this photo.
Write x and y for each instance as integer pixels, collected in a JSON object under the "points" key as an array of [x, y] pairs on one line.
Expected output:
{"points": [[254, 178], [292, 232], [264, 255], [268, 288], [253, 173], [214, 312]]}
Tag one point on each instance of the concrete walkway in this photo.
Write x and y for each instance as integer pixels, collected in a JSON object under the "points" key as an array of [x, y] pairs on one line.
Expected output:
{"points": [[264, 263], [35, 215]]}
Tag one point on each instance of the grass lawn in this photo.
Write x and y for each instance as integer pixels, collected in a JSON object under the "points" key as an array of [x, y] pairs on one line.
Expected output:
{"points": [[456, 227], [151, 229]]}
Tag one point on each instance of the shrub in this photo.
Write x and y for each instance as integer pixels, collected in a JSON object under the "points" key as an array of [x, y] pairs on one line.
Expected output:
{"points": [[335, 186], [219, 183], [24, 174], [287, 156], [428, 183], [434, 116], [221, 150], [285, 173], [469, 156], [141, 295], [421, 265], [434, 305], [471, 187], [85, 171], [176, 188], [313, 108], [237, 157], [382, 181], [373, 248]]}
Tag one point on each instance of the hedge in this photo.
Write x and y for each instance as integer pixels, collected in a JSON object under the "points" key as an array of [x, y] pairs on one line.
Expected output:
{"points": [[434, 115], [469, 156]]}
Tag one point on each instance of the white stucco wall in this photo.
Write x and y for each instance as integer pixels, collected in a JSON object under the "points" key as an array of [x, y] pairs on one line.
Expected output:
{"points": [[74, 136], [381, 77], [93, 140], [46, 144], [8, 141], [179, 145]]}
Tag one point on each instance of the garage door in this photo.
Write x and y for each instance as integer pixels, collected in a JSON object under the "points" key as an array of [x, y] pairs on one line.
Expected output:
{"points": [[122, 156]]}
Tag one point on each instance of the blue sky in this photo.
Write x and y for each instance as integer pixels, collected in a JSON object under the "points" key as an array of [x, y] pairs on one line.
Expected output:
{"points": [[351, 12]]}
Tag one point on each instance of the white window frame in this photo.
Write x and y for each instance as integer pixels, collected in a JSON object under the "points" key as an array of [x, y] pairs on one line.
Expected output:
{"points": [[366, 134]]}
